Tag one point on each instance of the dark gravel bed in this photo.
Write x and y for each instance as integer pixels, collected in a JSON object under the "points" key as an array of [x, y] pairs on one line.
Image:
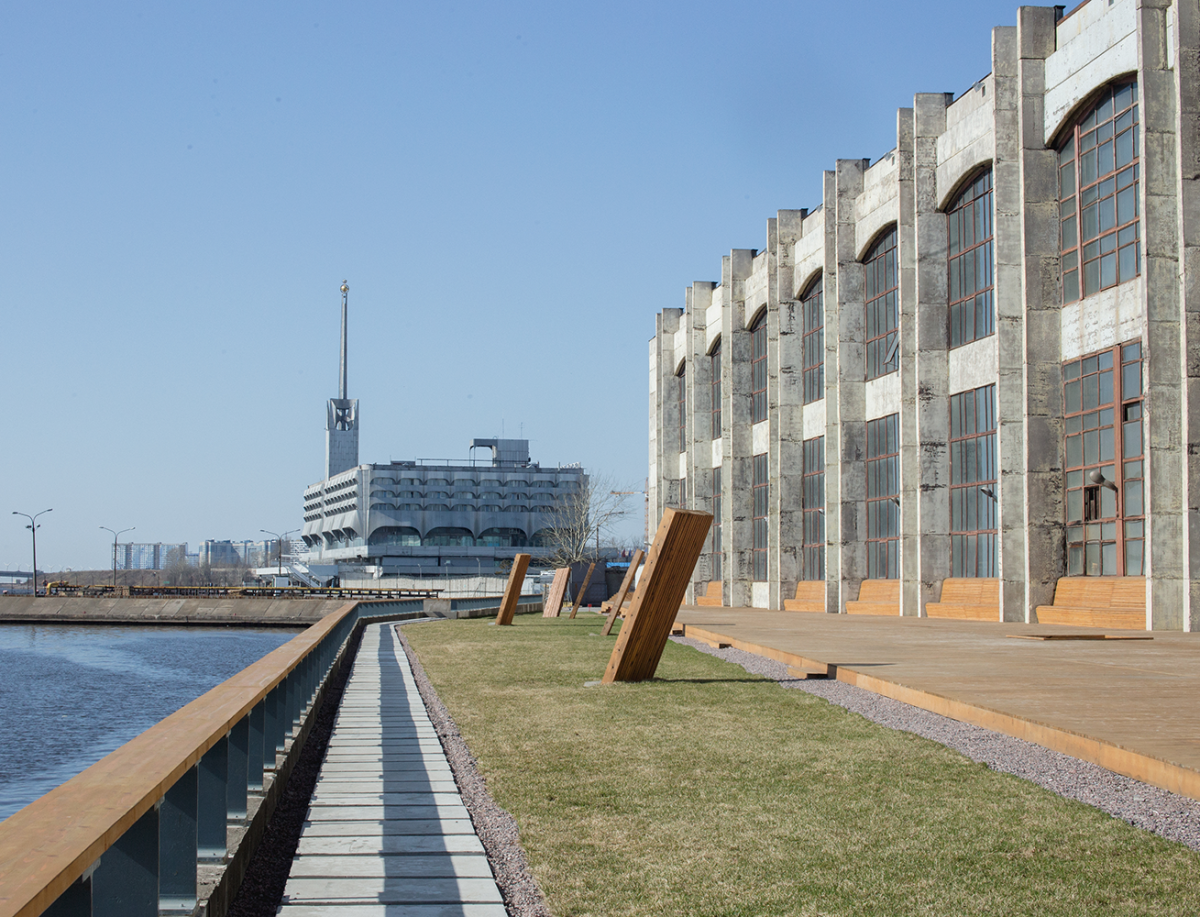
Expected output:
{"points": [[1175, 817], [261, 891], [495, 827]]}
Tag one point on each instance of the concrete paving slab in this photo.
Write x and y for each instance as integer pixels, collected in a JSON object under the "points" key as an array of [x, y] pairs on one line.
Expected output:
{"points": [[393, 910], [433, 866], [378, 827], [386, 829], [379, 812], [392, 891], [388, 844]]}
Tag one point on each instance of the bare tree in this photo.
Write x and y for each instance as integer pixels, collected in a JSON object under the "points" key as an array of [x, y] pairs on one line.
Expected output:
{"points": [[578, 517]]}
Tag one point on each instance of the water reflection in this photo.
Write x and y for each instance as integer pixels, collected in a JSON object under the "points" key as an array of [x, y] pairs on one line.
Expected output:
{"points": [[71, 694]]}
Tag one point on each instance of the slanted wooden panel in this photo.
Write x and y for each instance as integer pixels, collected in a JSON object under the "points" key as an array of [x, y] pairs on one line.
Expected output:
{"points": [[512, 591], [552, 603], [810, 596], [582, 589], [712, 595], [677, 546], [626, 585]]}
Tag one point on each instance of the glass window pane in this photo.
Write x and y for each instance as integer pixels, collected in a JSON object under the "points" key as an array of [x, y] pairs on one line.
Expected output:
{"points": [[1133, 438], [1109, 567], [1075, 505], [1133, 558], [1133, 498]]}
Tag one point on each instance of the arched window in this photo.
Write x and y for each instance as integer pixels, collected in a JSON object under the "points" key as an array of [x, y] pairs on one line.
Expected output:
{"points": [[502, 538], [883, 309], [449, 537], [813, 305], [395, 535], [758, 369], [972, 315], [714, 363], [1098, 179], [681, 399]]}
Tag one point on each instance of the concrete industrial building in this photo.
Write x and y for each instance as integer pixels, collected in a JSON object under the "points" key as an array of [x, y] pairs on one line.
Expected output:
{"points": [[978, 356], [424, 517]]}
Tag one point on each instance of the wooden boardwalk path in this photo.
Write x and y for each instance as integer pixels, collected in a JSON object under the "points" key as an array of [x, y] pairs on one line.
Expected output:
{"points": [[387, 834]]}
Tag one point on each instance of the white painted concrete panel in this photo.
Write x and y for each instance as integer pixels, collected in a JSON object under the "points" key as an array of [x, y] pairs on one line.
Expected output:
{"points": [[814, 419], [760, 437], [882, 396], [974, 365]]}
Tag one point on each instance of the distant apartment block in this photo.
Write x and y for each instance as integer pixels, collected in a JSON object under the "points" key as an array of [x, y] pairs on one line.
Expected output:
{"points": [[133, 556]]}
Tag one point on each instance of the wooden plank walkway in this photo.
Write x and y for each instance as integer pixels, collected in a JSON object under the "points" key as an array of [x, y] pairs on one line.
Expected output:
{"points": [[1128, 705], [387, 834]]}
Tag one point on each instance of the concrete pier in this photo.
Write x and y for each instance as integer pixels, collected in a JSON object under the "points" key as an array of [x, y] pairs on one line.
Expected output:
{"points": [[386, 824]]}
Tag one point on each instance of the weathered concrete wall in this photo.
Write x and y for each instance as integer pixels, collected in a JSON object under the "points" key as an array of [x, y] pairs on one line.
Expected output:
{"points": [[243, 612]]}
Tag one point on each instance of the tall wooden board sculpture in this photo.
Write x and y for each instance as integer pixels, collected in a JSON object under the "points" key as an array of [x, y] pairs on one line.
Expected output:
{"points": [[626, 585], [512, 591], [677, 546], [553, 599], [582, 590]]}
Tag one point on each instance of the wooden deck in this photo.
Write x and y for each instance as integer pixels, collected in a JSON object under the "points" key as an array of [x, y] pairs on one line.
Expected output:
{"points": [[387, 829], [1128, 705]]}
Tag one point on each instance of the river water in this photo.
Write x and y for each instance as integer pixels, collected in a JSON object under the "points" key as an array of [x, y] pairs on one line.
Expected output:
{"points": [[71, 694]]}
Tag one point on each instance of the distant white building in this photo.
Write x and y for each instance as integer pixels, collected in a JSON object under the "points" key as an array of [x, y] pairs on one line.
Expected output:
{"points": [[423, 517]]}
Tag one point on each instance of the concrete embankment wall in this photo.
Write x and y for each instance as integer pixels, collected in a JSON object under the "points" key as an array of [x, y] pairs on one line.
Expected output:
{"points": [[213, 611]]}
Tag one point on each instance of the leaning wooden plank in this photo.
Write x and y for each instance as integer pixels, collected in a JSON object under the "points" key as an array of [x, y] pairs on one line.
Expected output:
{"points": [[677, 546], [583, 590], [512, 592], [552, 604], [626, 584]]}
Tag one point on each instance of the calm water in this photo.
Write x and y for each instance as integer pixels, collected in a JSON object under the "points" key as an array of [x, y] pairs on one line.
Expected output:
{"points": [[71, 694]]}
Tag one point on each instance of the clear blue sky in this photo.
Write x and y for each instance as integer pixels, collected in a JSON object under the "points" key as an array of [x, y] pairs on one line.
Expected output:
{"points": [[513, 191]]}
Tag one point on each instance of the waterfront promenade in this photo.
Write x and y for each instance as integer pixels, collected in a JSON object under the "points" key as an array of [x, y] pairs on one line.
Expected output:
{"points": [[386, 824]]}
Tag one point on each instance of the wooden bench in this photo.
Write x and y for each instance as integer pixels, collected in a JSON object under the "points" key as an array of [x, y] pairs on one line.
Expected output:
{"points": [[810, 596], [712, 595], [876, 597], [607, 605], [967, 599], [1098, 601]]}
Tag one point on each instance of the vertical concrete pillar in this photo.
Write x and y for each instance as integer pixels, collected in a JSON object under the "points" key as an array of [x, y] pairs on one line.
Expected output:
{"points": [[669, 489], [910, 437], [846, 428], [787, 504], [930, 479], [177, 845], [773, 371], [738, 476], [213, 803], [699, 405], [722, 298], [1010, 325], [1186, 57], [1166, 316], [833, 460], [1045, 556]]}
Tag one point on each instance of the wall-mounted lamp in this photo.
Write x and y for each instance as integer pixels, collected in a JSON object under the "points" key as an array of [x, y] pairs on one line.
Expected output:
{"points": [[1097, 478]]}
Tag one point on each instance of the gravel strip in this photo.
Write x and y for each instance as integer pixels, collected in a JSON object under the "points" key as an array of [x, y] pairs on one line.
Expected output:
{"points": [[1175, 817], [495, 827]]}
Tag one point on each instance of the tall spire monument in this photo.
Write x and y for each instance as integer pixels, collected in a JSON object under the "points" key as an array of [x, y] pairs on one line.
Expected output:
{"points": [[341, 421]]}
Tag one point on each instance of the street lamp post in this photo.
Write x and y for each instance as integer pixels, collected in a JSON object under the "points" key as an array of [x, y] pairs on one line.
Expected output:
{"points": [[115, 536], [279, 538], [33, 527]]}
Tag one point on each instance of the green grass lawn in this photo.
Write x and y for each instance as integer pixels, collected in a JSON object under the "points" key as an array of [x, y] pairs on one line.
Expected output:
{"points": [[714, 792]]}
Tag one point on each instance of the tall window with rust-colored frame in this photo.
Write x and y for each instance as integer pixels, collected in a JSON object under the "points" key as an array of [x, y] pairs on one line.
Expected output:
{"points": [[813, 305], [758, 369], [761, 490], [681, 403], [1105, 463], [716, 566], [813, 488], [972, 312], [973, 495], [883, 503], [1099, 229], [882, 289], [714, 362]]}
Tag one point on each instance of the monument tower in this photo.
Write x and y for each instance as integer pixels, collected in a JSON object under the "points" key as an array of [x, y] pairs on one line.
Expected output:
{"points": [[341, 421]]}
